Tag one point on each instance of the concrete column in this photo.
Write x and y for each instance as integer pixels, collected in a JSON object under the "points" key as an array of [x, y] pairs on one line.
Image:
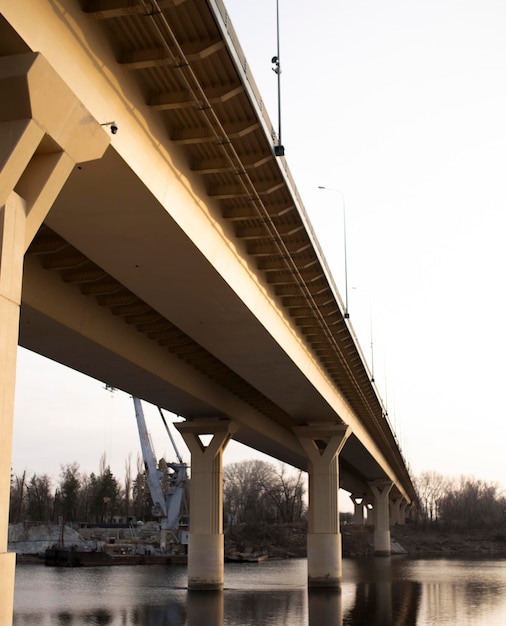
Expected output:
{"points": [[395, 511], [322, 444], [402, 514], [11, 274], [44, 131], [412, 513], [381, 490], [370, 514], [358, 513], [206, 556]]}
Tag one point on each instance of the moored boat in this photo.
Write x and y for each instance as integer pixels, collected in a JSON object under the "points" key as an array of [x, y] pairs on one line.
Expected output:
{"points": [[71, 557], [246, 557]]}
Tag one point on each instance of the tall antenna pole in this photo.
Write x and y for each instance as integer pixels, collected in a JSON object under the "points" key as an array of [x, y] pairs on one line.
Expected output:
{"points": [[279, 149], [346, 311], [372, 341]]}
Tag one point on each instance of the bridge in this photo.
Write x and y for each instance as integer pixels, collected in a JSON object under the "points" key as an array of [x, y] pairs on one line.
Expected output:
{"points": [[153, 238]]}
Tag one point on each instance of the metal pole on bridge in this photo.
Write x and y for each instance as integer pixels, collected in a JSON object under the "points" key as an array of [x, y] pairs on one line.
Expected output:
{"points": [[346, 311]]}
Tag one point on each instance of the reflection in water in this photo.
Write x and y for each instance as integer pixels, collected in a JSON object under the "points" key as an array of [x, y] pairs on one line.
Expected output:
{"points": [[382, 591], [325, 607], [386, 598], [472, 590], [101, 617], [269, 608], [205, 608], [173, 614], [385, 604]]}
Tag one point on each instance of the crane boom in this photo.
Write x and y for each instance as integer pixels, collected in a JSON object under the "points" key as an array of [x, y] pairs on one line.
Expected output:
{"points": [[179, 457], [153, 475], [166, 502]]}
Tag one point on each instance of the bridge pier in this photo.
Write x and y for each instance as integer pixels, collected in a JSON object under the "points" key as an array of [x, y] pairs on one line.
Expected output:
{"points": [[358, 513], [322, 444], [381, 490], [370, 513], [206, 547], [402, 514], [11, 270], [395, 511], [44, 132]]}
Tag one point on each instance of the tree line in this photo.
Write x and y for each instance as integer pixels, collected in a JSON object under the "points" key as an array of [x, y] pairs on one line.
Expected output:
{"points": [[460, 502], [253, 491], [80, 496]]}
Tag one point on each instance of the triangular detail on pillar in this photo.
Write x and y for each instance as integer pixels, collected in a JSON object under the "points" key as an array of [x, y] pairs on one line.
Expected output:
{"points": [[320, 445], [205, 439], [322, 440]]}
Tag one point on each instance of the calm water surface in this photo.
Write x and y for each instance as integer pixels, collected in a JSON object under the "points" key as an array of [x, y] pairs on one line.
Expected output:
{"points": [[375, 591]]}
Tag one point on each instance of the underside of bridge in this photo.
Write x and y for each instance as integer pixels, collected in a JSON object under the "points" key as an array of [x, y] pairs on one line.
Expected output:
{"points": [[120, 285]]}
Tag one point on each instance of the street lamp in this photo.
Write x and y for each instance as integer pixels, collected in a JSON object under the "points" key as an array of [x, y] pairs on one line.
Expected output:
{"points": [[370, 329], [346, 313], [279, 149]]}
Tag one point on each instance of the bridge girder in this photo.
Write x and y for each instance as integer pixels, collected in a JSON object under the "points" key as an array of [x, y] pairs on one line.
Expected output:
{"points": [[222, 150]]}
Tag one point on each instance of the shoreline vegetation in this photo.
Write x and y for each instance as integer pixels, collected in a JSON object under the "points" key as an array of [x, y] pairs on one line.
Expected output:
{"points": [[285, 541], [289, 540], [264, 511], [427, 540]]}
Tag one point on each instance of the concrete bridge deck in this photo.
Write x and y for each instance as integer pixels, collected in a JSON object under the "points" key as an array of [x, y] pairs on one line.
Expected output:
{"points": [[177, 263]]}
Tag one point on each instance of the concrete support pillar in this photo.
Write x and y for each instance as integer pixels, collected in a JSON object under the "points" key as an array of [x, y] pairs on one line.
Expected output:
{"points": [[11, 274], [358, 513], [402, 514], [206, 556], [370, 513], [322, 444], [44, 131], [381, 490], [412, 513], [395, 511]]}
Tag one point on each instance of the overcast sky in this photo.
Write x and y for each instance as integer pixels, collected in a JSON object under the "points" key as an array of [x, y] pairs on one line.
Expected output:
{"points": [[400, 106]]}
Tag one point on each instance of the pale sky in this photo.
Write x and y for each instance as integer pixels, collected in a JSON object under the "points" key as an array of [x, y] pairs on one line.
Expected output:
{"points": [[400, 106]]}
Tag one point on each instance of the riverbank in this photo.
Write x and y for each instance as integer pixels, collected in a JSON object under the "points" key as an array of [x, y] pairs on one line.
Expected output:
{"points": [[285, 541], [418, 539], [31, 540], [425, 540], [289, 540]]}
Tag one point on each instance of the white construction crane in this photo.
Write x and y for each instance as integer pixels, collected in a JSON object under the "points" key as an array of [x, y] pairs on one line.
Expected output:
{"points": [[166, 501]]}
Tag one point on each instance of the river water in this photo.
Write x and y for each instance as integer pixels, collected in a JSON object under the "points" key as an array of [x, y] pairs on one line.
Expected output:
{"points": [[375, 591]]}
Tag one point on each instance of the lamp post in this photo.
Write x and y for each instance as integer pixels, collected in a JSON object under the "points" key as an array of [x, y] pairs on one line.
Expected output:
{"points": [[371, 337], [279, 149], [346, 312]]}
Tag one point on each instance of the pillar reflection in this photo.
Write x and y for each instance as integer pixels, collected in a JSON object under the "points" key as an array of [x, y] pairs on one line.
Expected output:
{"points": [[387, 596], [205, 607], [325, 607]]}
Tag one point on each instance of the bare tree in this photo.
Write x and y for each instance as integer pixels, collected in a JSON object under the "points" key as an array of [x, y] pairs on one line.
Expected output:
{"points": [[141, 497], [39, 498], [256, 491], [472, 503], [128, 485], [431, 487], [287, 493], [17, 507]]}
